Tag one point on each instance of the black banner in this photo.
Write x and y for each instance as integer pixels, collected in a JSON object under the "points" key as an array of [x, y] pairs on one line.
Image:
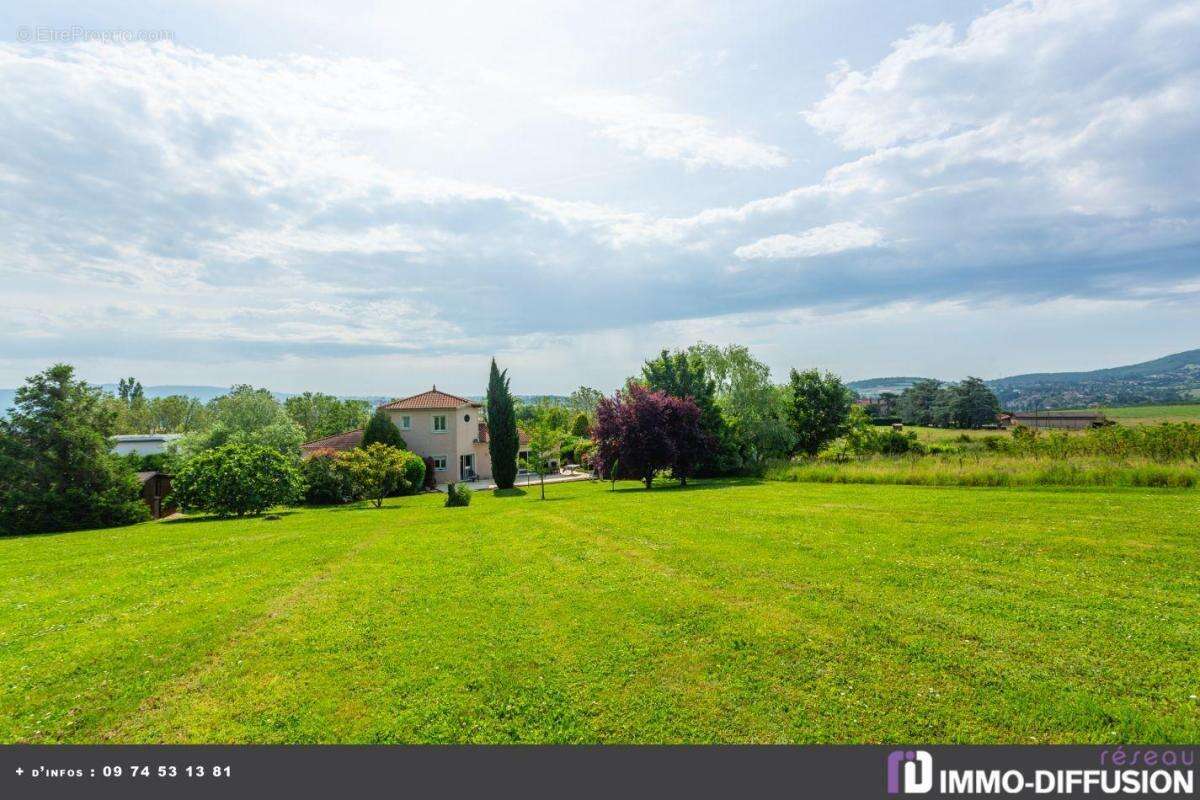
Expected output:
{"points": [[597, 772]]}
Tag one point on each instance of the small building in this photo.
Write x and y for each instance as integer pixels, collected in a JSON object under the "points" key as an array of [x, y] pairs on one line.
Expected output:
{"points": [[144, 444], [1054, 420], [156, 488]]}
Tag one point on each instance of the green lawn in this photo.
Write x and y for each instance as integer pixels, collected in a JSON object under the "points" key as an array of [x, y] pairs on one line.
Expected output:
{"points": [[726, 612], [1152, 415]]}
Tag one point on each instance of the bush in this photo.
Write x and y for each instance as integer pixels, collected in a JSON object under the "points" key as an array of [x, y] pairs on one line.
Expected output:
{"points": [[237, 479], [894, 443], [414, 474], [327, 480], [378, 471], [458, 495], [430, 482]]}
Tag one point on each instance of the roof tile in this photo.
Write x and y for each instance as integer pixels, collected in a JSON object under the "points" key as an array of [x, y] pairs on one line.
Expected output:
{"points": [[431, 399]]}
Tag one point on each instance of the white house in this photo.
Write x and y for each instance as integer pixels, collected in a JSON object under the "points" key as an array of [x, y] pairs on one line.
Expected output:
{"points": [[144, 444]]}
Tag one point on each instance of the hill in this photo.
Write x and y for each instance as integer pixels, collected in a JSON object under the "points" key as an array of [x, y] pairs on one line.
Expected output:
{"points": [[873, 387], [1170, 379]]}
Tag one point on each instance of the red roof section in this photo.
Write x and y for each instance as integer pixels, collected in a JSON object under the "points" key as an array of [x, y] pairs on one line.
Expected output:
{"points": [[338, 441], [431, 399]]}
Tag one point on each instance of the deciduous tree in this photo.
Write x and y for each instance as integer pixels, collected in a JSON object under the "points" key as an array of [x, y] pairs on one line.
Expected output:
{"points": [[818, 409], [646, 431]]}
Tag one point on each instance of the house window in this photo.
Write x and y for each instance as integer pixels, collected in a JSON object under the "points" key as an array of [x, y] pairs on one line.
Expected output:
{"points": [[466, 417], [522, 457], [439, 463], [439, 423], [405, 423]]}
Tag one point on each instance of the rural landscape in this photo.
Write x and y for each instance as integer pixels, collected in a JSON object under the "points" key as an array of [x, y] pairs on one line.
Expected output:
{"points": [[725, 559], [605, 400]]}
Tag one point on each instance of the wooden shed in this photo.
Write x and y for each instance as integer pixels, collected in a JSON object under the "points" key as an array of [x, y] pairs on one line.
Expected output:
{"points": [[156, 487]]}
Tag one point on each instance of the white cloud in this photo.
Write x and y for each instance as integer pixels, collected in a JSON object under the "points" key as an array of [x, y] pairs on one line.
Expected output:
{"points": [[641, 125], [322, 207], [825, 240]]}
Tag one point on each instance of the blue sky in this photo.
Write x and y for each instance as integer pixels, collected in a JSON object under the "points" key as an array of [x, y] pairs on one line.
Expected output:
{"points": [[368, 198]]}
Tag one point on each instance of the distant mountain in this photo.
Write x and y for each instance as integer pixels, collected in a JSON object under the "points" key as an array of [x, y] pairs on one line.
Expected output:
{"points": [[201, 393], [873, 387], [206, 393], [1173, 378]]}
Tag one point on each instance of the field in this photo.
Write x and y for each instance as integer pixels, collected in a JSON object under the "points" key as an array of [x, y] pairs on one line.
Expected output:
{"points": [[928, 435], [725, 612], [1126, 415], [1150, 415]]}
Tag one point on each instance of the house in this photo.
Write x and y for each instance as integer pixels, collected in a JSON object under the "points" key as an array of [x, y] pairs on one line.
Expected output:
{"points": [[144, 444], [437, 425], [1054, 420], [156, 487], [448, 429]]}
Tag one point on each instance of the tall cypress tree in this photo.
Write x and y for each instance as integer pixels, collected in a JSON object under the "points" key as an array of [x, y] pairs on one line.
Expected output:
{"points": [[503, 442]]}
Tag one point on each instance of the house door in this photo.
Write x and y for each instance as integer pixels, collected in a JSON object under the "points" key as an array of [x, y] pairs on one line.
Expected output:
{"points": [[466, 466]]}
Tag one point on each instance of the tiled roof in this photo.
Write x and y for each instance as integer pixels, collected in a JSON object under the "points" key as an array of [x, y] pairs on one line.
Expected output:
{"points": [[338, 441], [431, 399]]}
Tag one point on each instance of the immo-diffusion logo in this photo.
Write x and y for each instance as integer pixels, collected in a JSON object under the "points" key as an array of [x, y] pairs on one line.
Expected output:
{"points": [[910, 771]]}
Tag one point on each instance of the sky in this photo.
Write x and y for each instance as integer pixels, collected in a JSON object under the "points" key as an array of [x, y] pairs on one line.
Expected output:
{"points": [[369, 198]]}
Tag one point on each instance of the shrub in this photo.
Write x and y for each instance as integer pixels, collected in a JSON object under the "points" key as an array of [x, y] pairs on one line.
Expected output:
{"points": [[458, 495], [378, 471], [237, 479], [429, 483], [896, 443], [327, 480], [414, 474]]}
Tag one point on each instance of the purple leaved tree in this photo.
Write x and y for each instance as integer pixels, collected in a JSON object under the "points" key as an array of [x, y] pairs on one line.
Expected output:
{"points": [[641, 432]]}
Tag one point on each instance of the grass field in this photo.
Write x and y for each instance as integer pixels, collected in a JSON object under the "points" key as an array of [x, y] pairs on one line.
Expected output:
{"points": [[726, 612], [951, 435], [1151, 415]]}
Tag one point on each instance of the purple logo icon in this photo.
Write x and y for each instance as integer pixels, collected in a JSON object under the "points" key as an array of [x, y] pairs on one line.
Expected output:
{"points": [[909, 771]]}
